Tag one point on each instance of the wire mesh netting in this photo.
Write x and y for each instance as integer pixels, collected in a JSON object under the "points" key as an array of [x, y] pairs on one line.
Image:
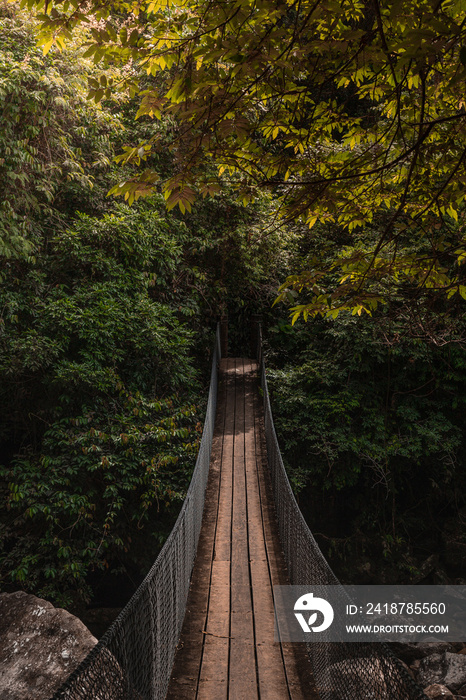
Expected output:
{"points": [[134, 658], [353, 671]]}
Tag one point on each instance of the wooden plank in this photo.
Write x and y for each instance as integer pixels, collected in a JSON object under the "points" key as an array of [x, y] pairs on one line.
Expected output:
{"points": [[262, 602], [223, 530], [295, 660], [257, 549], [243, 677], [298, 670], [273, 683], [214, 664], [241, 601], [185, 673], [243, 672], [218, 624], [227, 649], [213, 674], [186, 668], [213, 690], [239, 529]]}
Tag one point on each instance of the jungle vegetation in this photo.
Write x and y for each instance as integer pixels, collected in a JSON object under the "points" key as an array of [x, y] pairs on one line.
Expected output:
{"points": [[310, 153]]}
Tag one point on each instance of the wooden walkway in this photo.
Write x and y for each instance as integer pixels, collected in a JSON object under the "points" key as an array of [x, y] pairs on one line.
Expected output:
{"points": [[227, 649]]}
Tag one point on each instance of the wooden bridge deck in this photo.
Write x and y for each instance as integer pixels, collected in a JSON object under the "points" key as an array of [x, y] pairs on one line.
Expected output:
{"points": [[227, 649]]}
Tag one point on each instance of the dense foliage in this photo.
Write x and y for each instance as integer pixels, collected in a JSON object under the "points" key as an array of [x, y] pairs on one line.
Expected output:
{"points": [[347, 110], [107, 310], [55, 147], [92, 366], [106, 325], [373, 434]]}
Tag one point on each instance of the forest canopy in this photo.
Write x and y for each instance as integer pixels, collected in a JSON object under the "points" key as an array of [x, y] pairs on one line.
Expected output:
{"points": [[108, 309], [352, 112]]}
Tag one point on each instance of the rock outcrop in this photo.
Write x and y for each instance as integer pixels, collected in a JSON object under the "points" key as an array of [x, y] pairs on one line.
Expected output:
{"points": [[445, 669], [409, 652], [438, 692], [40, 645]]}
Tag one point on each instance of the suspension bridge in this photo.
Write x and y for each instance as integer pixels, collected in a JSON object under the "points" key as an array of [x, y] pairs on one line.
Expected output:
{"points": [[201, 625]]}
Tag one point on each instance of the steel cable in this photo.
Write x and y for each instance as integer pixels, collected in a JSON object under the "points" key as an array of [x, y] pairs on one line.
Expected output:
{"points": [[133, 660], [352, 671]]}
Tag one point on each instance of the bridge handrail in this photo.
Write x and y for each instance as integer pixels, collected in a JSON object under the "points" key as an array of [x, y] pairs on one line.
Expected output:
{"points": [[134, 658], [352, 671]]}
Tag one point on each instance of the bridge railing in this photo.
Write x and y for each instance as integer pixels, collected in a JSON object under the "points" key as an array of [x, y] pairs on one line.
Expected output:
{"points": [[351, 671], [133, 660]]}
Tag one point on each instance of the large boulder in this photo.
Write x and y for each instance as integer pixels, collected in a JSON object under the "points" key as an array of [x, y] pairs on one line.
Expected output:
{"points": [[40, 646], [445, 669], [455, 672], [410, 651], [438, 692]]}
